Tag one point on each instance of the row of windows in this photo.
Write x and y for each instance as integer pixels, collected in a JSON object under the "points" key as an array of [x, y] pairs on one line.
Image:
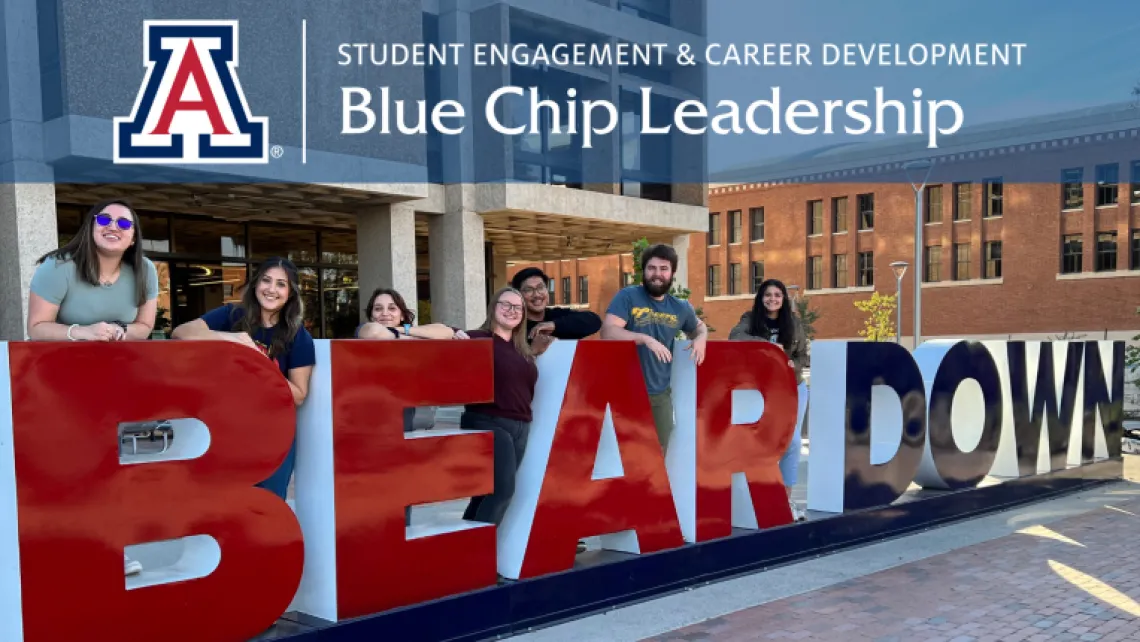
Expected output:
{"points": [[866, 220], [583, 290], [932, 270], [961, 202], [1072, 253], [993, 205], [1105, 252], [1107, 191]]}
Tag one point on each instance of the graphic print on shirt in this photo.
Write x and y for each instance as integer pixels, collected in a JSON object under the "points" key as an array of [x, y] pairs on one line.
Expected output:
{"points": [[261, 346], [642, 317]]}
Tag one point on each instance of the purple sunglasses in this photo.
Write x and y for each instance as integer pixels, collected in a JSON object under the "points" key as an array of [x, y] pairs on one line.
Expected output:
{"points": [[105, 219]]}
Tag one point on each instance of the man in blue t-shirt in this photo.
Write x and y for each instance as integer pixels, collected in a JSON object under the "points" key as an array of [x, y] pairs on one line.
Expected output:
{"points": [[649, 316]]}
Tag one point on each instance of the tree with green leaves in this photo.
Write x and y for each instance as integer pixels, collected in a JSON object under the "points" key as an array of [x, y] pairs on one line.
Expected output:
{"points": [[879, 325], [639, 247]]}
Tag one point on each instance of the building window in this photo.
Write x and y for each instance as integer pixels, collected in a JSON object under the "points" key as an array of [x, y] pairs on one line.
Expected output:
{"points": [[1136, 249], [815, 218], [714, 228], [1073, 188], [839, 214], [839, 271], [962, 196], [993, 192], [584, 290], [550, 288], [961, 261], [1107, 184], [993, 260], [565, 290], [734, 278], [866, 204], [933, 264], [1106, 251], [626, 279], [1136, 182], [815, 272], [934, 204], [866, 269], [734, 226], [756, 214], [714, 280], [1072, 251], [757, 275]]}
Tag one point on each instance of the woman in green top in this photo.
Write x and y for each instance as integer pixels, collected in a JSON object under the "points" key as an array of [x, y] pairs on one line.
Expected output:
{"points": [[98, 287]]}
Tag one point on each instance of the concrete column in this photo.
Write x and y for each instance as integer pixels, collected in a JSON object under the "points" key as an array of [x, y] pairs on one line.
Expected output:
{"points": [[386, 243], [458, 275], [681, 244], [27, 188], [28, 218]]}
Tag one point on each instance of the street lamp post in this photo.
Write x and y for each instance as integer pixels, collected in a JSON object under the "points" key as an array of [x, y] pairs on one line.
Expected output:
{"points": [[914, 168], [899, 268]]}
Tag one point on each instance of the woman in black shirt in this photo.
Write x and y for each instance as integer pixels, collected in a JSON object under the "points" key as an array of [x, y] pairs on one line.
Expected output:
{"points": [[508, 416]]}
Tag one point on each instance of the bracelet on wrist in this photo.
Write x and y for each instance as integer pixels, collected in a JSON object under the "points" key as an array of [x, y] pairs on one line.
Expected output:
{"points": [[69, 329]]}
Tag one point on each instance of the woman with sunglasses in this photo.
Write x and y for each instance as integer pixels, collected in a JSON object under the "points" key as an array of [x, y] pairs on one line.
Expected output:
{"points": [[97, 287], [270, 320], [508, 416]]}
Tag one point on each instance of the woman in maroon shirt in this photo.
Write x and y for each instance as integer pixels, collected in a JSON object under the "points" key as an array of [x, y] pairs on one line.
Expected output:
{"points": [[508, 417]]}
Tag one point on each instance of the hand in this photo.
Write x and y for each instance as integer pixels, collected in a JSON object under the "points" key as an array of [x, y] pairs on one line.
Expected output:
{"points": [[658, 349], [697, 347], [97, 332], [460, 334], [541, 343], [242, 339], [546, 328], [791, 364]]}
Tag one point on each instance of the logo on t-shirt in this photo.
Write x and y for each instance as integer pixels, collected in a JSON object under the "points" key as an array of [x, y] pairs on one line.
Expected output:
{"points": [[261, 346], [647, 316]]}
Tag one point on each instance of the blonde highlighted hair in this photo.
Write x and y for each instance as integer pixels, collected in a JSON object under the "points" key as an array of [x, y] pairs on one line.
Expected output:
{"points": [[518, 334]]}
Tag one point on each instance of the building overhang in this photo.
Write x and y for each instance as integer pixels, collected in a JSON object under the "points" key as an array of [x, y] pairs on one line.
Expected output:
{"points": [[529, 221]]}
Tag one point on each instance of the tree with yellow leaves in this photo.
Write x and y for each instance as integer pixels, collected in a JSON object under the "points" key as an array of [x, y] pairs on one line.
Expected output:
{"points": [[879, 325]]}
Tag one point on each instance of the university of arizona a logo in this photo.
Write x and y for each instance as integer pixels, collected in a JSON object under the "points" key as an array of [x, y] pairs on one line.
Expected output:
{"points": [[191, 108]]}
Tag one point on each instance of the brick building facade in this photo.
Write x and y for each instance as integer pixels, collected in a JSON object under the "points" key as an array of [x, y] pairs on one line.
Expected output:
{"points": [[1007, 252]]}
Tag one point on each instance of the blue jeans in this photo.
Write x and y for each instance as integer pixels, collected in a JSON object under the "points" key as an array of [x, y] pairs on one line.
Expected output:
{"points": [[790, 462], [278, 482]]}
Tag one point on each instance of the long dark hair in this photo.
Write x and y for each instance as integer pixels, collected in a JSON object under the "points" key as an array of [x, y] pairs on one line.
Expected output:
{"points": [[406, 315], [82, 251], [292, 316], [785, 320]]}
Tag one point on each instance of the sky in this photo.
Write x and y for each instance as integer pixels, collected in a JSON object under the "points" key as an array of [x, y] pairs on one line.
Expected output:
{"points": [[1075, 57]]}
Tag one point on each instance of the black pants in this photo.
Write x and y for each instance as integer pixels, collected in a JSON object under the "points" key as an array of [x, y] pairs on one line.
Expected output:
{"points": [[510, 443]]}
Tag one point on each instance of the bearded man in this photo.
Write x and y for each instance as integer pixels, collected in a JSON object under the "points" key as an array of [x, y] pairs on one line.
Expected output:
{"points": [[651, 317]]}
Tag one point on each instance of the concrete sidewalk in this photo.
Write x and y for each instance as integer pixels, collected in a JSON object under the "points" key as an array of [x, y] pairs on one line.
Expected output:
{"points": [[1056, 570]]}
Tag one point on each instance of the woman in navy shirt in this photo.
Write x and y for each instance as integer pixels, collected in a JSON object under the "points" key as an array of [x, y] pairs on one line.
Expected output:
{"points": [[270, 320]]}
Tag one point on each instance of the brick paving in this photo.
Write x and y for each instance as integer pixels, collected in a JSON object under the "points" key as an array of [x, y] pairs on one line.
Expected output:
{"points": [[1077, 579]]}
